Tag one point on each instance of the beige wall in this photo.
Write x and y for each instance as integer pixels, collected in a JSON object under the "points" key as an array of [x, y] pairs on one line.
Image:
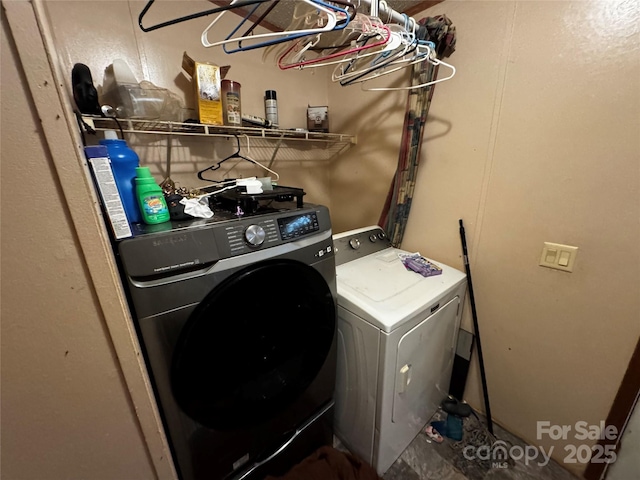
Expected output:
{"points": [[66, 412], [535, 139]]}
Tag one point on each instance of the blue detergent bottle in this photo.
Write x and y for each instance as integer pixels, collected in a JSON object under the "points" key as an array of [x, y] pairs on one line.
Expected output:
{"points": [[124, 162]]}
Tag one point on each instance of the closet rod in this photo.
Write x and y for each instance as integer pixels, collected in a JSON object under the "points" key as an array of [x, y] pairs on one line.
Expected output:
{"points": [[383, 11]]}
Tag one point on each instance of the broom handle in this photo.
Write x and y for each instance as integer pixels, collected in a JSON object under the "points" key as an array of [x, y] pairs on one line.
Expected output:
{"points": [[474, 313]]}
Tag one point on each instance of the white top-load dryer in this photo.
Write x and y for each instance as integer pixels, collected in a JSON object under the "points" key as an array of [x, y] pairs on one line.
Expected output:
{"points": [[397, 332]]}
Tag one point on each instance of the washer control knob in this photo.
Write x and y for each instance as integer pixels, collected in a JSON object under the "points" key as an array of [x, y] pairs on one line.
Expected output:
{"points": [[373, 238], [382, 235], [354, 243], [254, 235]]}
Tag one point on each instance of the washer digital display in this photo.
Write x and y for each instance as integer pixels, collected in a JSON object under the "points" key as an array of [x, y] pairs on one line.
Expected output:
{"points": [[298, 225]]}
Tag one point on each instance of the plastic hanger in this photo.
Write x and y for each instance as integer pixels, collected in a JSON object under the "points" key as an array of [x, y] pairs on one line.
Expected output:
{"points": [[350, 69], [298, 62], [406, 42], [424, 50], [357, 48], [235, 154], [299, 21], [399, 44], [240, 3], [435, 62], [331, 22], [341, 23]]}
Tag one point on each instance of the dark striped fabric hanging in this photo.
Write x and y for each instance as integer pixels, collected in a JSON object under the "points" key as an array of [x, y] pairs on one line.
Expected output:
{"points": [[395, 213]]}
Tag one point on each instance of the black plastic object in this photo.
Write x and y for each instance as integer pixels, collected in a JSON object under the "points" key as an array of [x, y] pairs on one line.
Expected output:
{"points": [[176, 209], [461, 364], [455, 407], [84, 93], [251, 203]]}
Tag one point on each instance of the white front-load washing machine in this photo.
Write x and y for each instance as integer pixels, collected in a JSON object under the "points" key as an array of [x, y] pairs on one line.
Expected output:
{"points": [[397, 332]]}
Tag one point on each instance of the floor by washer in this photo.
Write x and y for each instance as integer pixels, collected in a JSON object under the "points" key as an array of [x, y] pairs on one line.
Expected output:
{"points": [[425, 459]]}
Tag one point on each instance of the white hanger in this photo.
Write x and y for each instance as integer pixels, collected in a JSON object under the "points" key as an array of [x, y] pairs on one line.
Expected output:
{"points": [[406, 43], [397, 65], [332, 21], [434, 61], [423, 51], [396, 41], [373, 30]]}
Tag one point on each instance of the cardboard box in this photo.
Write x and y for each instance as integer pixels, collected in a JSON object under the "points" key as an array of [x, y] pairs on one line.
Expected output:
{"points": [[98, 158], [206, 78], [318, 119]]}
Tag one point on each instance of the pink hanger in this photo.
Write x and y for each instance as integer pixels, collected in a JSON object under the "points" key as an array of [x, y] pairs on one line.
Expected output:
{"points": [[384, 30]]}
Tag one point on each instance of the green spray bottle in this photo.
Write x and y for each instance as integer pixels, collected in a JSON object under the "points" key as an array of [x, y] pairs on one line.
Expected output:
{"points": [[153, 206]]}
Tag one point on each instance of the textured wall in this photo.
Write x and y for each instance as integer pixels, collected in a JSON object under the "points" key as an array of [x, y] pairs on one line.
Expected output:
{"points": [[535, 139], [66, 412]]}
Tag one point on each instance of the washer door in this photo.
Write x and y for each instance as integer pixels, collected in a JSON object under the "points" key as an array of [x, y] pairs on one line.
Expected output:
{"points": [[253, 345]]}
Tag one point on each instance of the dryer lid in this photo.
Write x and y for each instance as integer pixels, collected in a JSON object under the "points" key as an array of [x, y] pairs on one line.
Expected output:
{"points": [[379, 288], [379, 277]]}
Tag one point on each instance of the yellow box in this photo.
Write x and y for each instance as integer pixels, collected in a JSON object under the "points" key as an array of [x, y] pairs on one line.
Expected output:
{"points": [[206, 79]]}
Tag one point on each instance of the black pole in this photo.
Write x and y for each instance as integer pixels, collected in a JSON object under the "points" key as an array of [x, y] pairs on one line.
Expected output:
{"points": [[472, 301]]}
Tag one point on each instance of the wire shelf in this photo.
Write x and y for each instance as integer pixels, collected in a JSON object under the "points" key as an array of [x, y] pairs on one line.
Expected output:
{"points": [[298, 145]]}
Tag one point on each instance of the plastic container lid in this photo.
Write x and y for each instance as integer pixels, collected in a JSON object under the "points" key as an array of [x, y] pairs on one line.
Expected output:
{"points": [[230, 83]]}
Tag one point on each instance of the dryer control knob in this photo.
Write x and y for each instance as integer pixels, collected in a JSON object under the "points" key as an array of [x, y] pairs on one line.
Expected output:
{"points": [[254, 235], [354, 243]]}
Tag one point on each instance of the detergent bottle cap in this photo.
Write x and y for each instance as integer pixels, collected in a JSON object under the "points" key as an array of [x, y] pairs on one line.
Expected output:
{"points": [[110, 135]]}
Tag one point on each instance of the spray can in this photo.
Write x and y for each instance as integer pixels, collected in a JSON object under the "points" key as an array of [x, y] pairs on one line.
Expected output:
{"points": [[271, 107], [150, 198], [123, 163]]}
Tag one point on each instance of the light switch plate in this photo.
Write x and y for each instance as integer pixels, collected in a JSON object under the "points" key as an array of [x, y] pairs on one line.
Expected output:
{"points": [[558, 256]]}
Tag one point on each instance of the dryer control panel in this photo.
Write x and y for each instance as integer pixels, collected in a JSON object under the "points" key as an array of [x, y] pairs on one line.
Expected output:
{"points": [[359, 243]]}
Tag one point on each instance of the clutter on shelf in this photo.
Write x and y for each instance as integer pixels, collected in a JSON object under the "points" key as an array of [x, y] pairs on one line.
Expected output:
{"points": [[139, 100]]}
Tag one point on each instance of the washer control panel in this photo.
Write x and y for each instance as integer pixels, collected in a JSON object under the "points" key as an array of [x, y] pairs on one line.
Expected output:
{"points": [[243, 238], [254, 235], [259, 232], [298, 225], [194, 245]]}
